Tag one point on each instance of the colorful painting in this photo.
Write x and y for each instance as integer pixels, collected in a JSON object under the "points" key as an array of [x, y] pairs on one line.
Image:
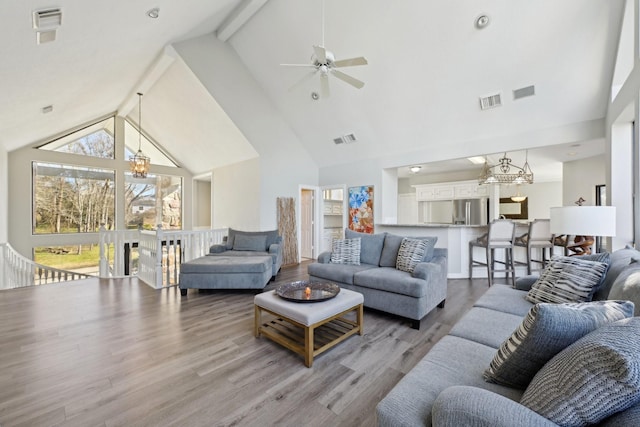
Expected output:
{"points": [[361, 209]]}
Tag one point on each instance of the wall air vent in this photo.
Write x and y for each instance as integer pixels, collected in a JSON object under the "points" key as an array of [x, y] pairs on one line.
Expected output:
{"points": [[345, 139], [491, 101], [524, 92], [349, 138], [47, 19], [45, 36]]}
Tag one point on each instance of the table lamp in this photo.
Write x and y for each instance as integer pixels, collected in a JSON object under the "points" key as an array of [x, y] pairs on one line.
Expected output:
{"points": [[584, 222]]}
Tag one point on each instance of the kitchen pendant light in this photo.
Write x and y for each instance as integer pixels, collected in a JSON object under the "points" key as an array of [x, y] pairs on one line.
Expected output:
{"points": [[139, 163], [506, 173], [518, 197]]}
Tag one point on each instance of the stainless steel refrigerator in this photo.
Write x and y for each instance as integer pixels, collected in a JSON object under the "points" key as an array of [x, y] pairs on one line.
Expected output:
{"points": [[471, 211]]}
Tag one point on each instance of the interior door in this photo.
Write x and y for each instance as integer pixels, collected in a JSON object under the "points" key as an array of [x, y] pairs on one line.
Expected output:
{"points": [[306, 223]]}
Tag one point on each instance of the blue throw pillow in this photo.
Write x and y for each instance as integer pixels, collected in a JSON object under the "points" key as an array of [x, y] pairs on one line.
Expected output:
{"points": [[546, 330], [245, 242], [592, 379], [370, 245]]}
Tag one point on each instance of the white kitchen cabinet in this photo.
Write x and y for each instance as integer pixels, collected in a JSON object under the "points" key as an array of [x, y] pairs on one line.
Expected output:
{"points": [[450, 191]]}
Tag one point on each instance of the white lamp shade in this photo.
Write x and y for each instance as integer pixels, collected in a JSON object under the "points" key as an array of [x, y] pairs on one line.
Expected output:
{"points": [[584, 220]]}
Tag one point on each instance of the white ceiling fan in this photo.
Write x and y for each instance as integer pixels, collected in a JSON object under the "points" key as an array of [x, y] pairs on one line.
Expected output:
{"points": [[325, 63]]}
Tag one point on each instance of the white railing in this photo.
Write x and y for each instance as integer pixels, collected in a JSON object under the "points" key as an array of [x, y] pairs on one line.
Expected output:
{"points": [[17, 271], [160, 252]]}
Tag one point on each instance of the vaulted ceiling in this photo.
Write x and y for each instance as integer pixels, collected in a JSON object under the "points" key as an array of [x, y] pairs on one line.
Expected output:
{"points": [[428, 65]]}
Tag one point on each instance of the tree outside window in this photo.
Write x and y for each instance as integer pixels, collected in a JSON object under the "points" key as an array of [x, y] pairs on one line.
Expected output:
{"points": [[156, 199]]}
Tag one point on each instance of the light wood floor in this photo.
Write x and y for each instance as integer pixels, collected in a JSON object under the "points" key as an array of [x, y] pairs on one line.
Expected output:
{"points": [[118, 353]]}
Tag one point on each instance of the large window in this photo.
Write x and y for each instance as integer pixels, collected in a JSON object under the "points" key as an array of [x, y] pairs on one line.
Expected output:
{"points": [[156, 199], [71, 199], [95, 140]]}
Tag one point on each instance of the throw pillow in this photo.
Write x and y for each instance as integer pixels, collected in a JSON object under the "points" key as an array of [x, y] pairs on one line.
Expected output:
{"points": [[411, 252], [620, 259], [627, 285], [546, 330], [370, 245], [245, 242], [345, 251], [567, 279], [592, 379]]}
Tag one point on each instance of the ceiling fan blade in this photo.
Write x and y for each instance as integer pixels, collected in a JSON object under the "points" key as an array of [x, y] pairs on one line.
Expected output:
{"points": [[302, 80], [348, 79], [321, 54], [324, 85], [351, 62], [299, 65]]}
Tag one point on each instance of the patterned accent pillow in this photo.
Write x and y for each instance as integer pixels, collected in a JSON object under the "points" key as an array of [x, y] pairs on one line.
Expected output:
{"points": [[592, 379], [546, 330], [567, 279], [411, 252], [345, 251]]}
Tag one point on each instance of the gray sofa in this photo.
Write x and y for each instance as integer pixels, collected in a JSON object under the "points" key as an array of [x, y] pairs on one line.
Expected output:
{"points": [[446, 388], [250, 244], [384, 287]]}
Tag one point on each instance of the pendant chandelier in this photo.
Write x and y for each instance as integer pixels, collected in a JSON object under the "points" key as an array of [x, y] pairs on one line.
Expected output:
{"points": [[139, 164], [506, 173]]}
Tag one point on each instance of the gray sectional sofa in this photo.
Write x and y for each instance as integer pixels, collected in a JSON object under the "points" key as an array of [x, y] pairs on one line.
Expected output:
{"points": [[446, 388], [250, 244], [384, 287], [245, 260]]}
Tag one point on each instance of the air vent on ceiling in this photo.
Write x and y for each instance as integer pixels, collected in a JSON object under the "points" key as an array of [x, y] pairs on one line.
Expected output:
{"points": [[524, 92], [345, 139], [45, 36], [491, 101], [47, 19]]}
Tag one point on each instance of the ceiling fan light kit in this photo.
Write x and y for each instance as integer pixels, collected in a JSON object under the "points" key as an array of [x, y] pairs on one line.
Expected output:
{"points": [[324, 62]]}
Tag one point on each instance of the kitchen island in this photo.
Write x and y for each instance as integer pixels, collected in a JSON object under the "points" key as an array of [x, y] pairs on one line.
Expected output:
{"points": [[456, 239]]}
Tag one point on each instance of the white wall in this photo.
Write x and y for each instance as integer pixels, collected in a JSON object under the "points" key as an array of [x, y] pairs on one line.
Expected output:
{"points": [[202, 204], [236, 196], [4, 195], [579, 179], [284, 163]]}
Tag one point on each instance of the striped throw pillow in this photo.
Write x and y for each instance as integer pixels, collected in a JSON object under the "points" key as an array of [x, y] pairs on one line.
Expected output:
{"points": [[546, 330], [592, 379], [567, 279], [411, 252], [345, 251]]}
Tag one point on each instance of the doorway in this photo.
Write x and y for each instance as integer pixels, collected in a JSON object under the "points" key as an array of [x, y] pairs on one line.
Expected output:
{"points": [[306, 223]]}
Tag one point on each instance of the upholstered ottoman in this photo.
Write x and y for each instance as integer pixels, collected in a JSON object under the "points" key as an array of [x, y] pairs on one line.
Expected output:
{"points": [[220, 272], [309, 328]]}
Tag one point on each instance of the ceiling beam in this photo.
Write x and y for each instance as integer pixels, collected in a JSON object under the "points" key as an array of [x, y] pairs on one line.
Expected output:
{"points": [[238, 18], [149, 78]]}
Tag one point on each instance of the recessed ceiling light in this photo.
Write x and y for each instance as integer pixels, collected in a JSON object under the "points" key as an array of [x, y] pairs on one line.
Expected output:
{"points": [[477, 160], [315, 96], [415, 169], [482, 21], [153, 13]]}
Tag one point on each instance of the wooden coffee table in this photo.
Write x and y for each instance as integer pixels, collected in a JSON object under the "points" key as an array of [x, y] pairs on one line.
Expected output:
{"points": [[308, 328]]}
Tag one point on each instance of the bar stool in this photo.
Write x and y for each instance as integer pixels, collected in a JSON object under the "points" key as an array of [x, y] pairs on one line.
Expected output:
{"points": [[500, 236], [538, 237]]}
